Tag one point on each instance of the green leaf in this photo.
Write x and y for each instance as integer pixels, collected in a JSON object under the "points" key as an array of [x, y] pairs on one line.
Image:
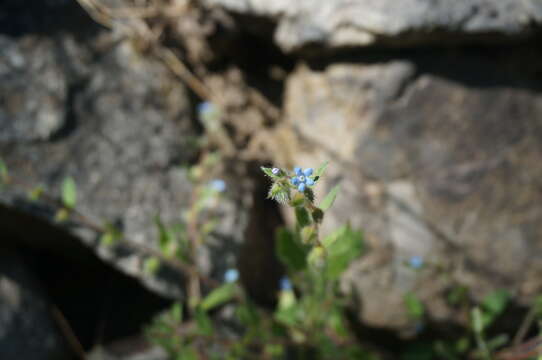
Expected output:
{"points": [[317, 257], [205, 326], [477, 322], [177, 313], [165, 237], [36, 193], [458, 294], [330, 198], [414, 306], [290, 251], [269, 172], [69, 193], [462, 345], [151, 265], [302, 216], [497, 342], [279, 193], [288, 315], [320, 171], [107, 239], [62, 215], [187, 353], [273, 350], [4, 175], [496, 302], [219, 296], [342, 247], [248, 314]]}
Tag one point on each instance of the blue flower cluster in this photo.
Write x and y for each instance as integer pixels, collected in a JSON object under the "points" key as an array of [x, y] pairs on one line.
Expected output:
{"points": [[302, 180]]}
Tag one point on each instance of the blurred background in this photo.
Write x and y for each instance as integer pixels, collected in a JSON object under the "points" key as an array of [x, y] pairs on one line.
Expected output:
{"points": [[430, 113]]}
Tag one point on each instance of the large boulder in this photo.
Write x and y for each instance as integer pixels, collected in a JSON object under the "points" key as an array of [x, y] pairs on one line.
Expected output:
{"points": [[92, 106], [438, 157], [346, 23], [27, 327]]}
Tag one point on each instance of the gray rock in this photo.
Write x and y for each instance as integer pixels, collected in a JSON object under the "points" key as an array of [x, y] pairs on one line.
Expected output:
{"points": [[438, 157], [27, 330], [120, 124], [348, 23]]}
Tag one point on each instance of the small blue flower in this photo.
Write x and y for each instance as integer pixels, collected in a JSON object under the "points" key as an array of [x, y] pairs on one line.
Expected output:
{"points": [[302, 179], [231, 275], [218, 185], [205, 108], [275, 171], [285, 284], [416, 262]]}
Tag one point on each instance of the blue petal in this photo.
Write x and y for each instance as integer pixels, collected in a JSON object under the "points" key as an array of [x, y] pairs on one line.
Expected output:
{"points": [[205, 107], [231, 275], [294, 181], [218, 185], [309, 182], [301, 187], [298, 171], [308, 172], [416, 262], [285, 284]]}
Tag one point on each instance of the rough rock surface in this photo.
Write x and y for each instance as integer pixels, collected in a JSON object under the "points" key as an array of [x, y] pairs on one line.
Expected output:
{"points": [[118, 122], [438, 155], [27, 330], [350, 23]]}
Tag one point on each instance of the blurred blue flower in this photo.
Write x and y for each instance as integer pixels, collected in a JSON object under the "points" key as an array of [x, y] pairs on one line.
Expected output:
{"points": [[218, 185], [302, 180], [275, 171], [285, 284], [231, 275], [205, 108], [416, 262]]}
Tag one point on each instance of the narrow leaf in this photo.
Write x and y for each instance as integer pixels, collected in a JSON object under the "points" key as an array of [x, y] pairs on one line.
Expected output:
{"points": [[165, 237], [219, 296], [177, 313], [3, 171], [69, 193], [330, 198], [477, 320], [321, 170]]}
